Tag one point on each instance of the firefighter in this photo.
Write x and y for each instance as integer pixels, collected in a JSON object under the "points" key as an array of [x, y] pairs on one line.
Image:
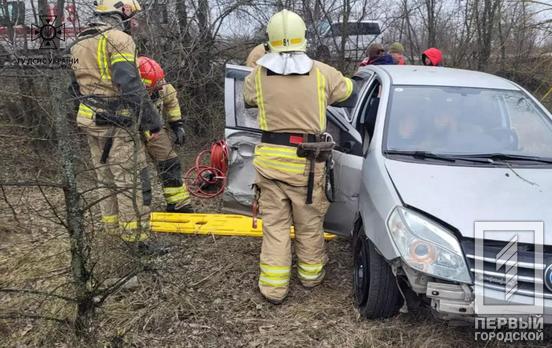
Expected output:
{"points": [[292, 92], [256, 53], [161, 149], [114, 105]]}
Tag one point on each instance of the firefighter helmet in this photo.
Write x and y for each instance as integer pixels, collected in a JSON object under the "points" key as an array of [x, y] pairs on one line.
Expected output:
{"points": [[151, 72], [286, 32], [125, 8]]}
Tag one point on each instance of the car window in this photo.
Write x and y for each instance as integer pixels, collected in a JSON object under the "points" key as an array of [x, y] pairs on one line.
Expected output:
{"points": [[456, 120], [367, 120], [245, 117]]}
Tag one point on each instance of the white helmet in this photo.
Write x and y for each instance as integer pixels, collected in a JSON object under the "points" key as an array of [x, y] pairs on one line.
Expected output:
{"points": [[286, 32]]}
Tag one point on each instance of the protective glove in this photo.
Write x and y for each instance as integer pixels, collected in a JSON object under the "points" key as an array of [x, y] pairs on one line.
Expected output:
{"points": [[179, 133]]}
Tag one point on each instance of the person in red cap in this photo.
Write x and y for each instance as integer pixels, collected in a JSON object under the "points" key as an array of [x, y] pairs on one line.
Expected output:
{"points": [[161, 150], [432, 57]]}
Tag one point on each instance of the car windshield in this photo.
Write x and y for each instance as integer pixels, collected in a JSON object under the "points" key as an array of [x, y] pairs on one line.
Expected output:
{"points": [[466, 121]]}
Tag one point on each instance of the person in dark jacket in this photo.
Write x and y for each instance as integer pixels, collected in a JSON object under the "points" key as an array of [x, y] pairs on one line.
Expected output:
{"points": [[432, 57], [377, 56]]}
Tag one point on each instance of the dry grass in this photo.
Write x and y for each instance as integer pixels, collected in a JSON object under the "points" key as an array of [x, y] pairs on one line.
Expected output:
{"points": [[203, 293]]}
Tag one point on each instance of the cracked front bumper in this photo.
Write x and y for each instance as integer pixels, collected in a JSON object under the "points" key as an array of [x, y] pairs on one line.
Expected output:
{"points": [[457, 302]]}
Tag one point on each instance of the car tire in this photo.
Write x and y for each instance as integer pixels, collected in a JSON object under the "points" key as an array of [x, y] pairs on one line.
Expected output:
{"points": [[376, 293]]}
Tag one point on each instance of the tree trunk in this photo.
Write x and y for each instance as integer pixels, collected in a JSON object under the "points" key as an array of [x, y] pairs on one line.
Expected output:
{"points": [[486, 25], [9, 25], [42, 8], [60, 6], [344, 34], [182, 14], [74, 218], [431, 23], [204, 58]]}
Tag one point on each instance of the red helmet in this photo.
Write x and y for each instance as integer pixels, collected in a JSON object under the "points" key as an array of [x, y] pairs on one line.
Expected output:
{"points": [[151, 72]]}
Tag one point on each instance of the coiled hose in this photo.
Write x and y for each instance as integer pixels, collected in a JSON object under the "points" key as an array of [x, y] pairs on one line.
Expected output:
{"points": [[207, 178]]}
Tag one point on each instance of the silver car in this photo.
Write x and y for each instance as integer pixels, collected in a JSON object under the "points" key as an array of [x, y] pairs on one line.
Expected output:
{"points": [[425, 154]]}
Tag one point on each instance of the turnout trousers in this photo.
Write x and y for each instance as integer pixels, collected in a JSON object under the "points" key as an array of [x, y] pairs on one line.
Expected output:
{"points": [[281, 206], [120, 181], [169, 168]]}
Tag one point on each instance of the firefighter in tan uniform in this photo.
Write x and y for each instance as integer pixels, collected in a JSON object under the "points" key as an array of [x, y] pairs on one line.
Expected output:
{"points": [[114, 105], [291, 92], [161, 150]]}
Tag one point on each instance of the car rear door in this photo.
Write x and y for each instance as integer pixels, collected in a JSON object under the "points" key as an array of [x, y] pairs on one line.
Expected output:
{"points": [[242, 134]]}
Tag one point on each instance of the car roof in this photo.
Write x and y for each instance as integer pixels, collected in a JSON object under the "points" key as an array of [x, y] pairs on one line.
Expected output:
{"points": [[440, 76]]}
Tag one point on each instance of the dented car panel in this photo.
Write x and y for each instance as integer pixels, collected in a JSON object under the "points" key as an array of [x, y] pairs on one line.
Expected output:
{"points": [[239, 193]]}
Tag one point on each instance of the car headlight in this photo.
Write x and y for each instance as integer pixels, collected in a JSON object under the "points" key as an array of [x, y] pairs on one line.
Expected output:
{"points": [[426, 246]]}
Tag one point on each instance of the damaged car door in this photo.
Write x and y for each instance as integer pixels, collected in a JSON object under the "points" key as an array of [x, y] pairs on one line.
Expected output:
{"points": [[242, 133]]}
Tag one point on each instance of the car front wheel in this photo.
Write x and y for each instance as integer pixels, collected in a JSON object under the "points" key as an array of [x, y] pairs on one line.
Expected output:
{"points": [[375, 288]]}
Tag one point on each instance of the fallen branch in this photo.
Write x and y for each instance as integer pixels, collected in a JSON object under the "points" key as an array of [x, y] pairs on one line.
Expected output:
{"points": [[206, 278]]}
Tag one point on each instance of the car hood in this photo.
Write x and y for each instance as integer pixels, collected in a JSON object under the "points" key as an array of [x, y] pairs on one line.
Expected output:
{"points": [[459, 196]]}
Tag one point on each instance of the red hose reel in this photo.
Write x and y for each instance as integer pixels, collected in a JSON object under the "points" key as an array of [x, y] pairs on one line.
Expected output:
{"points": [[207, 178]]}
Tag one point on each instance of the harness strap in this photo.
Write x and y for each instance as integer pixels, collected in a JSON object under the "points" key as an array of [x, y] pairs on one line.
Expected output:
{"points": [[310, 182], [288, 139], [106, 150], [330, 180], [107, 146], [255, 205]]}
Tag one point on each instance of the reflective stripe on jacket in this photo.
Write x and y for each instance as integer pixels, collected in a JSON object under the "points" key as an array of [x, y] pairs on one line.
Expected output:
{"points": [[167, 103], [296, 103], [292, 104], [97, 50], [94, 56], [89, 113]]}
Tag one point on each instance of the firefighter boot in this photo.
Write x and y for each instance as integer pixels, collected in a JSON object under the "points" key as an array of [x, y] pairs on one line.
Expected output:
{"points": [[175, 192]]}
